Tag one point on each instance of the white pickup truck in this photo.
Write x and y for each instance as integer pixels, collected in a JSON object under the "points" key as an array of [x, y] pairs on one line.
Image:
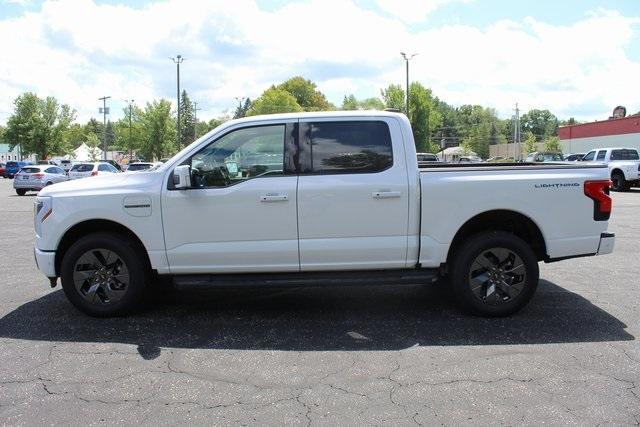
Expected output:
{"points": [[623, 163], [318, 199]]}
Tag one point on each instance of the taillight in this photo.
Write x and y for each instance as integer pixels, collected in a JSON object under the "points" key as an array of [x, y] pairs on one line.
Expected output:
{"points": [[94, 173], [38, 175], [598, 191]]}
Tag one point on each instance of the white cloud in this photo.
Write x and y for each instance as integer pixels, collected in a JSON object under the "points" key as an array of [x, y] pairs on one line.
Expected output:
{"points": [[413, 11], [78, 51]]}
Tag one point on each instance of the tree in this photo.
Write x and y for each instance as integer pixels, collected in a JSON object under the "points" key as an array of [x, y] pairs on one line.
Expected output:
{"points": [[109, 135], [242, 109], [187, 118], [530, 144], [158, 130], [553, 144], [129, 138], [94, 126], [541, 123], [306, 94], [94, 144], [423, 117], [350, 102], [39, 125], [274, 100], [393, 97]]}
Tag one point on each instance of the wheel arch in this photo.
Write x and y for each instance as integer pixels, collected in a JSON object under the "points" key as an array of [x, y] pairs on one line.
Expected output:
{"points": [[502, 220], [91, 226]]}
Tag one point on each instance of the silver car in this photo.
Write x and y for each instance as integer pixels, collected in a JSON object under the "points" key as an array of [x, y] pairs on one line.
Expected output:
{"points": [[36, 177]]}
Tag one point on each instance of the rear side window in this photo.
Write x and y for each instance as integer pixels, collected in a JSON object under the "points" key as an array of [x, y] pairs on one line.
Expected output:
{"points": [[348, 147], [624, 155], [30, 170], [601, 154]]}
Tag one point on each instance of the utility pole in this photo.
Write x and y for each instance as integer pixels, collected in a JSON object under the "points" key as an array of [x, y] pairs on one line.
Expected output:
{"points": [[240, 100], [104, 110], [178, 60], [407, 58], [195, 119], [130, 102], [516, 132]]}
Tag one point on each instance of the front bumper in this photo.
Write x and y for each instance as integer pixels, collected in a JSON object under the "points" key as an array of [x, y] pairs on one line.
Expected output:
{"points": [[607, 241], [46, 262]]}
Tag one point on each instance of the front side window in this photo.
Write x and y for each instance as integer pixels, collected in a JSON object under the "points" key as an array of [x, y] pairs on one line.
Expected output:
{"points": [[240, 155], [104, 168], [349, 147], [590, 156]]}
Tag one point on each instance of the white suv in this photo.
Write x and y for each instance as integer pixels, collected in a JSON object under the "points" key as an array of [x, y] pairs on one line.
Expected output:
{"points": [[624, 165]]}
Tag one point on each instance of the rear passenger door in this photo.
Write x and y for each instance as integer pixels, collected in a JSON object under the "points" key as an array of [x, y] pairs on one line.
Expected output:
{"points": [[352, 195]]}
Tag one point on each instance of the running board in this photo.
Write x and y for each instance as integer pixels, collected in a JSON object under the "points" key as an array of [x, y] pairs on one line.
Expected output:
{"points": [[317, 279]]}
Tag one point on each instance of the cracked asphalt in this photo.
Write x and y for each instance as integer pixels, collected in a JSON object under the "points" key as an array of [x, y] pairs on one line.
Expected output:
{"points": [[355, 356]]}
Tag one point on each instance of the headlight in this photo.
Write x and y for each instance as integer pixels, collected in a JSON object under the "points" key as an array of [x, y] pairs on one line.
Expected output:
{"points": [[42, 208]]}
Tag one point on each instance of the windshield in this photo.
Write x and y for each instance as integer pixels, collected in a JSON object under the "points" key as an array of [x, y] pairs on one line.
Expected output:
{"points": [[140, 166], [30, 170]]}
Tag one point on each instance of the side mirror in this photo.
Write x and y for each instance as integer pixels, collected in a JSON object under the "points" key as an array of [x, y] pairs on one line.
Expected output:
{"points": [[182, 176]]}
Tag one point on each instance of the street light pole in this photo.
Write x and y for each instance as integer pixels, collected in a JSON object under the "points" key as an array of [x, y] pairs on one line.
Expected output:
{"points": [[178, 60], [407, 58], [104, 111]]}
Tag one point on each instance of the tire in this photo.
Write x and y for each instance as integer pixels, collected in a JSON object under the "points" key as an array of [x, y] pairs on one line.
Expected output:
{"points": [[619, 183], [104, 275], [494, 274], [48, 184], [21, 191]]}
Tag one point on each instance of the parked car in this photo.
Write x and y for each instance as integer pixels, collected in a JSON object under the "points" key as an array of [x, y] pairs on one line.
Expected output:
{"points": [[575, 157], [623, 164], [114, 164], [544, 156], [47, 162], [86, 169], [12, 168], [66, 165], [139, 166], [36, 177], [2, 166], [348, 204]]}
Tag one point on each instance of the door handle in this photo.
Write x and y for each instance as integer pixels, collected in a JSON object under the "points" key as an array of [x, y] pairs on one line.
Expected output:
{"points": [[385, 194], [274, 197]]}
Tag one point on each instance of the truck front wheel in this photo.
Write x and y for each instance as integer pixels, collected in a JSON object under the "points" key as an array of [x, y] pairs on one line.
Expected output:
{"points": [[618, 182], [494, 274], [104, 274]]}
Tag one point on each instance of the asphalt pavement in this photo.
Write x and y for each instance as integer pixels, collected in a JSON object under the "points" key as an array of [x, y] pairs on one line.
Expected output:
{"points": [[356, 356]]}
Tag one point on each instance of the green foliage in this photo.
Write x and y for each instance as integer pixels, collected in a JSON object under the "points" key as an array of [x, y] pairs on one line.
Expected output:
{"points": [[129, 138], [394, 97], [158, 130], [39, 125], [423, 116], [306, 94], [553, 144], [541, 123], [351, 103], [242, 109], [187, 120], [274, 100], [530, 143]]}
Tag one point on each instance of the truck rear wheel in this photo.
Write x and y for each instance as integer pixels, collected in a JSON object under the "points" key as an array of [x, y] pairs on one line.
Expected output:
{"points": [[494, 274], [104, 275]]}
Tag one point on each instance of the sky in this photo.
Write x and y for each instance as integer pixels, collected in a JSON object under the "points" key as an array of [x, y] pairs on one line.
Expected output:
{"points": [[577, 58]]}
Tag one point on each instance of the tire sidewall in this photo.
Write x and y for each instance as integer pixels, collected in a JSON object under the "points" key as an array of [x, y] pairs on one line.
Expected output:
{"points": [[468, 252], [128, 253], [618, 182]]}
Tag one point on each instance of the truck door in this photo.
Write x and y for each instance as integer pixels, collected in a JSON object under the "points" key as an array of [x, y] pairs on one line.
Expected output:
{"points": [[239, 215], [352, 194]]}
